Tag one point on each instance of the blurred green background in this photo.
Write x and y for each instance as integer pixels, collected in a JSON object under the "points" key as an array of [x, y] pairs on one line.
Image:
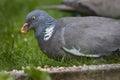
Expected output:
{"points": [[16, 49]]}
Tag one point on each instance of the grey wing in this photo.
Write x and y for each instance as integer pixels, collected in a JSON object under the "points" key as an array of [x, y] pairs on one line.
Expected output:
{"points": [[92, 38], [75, 42]]}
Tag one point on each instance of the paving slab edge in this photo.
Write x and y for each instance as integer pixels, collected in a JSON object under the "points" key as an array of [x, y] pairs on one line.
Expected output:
{"points": [[91, 72]]}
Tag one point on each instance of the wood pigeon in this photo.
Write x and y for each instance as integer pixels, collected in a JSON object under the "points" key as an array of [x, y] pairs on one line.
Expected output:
{"points": [[104, 8], [72, 37]]}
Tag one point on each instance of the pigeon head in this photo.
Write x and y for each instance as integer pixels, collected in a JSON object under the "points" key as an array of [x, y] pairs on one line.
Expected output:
{"points": [[35, 19]]}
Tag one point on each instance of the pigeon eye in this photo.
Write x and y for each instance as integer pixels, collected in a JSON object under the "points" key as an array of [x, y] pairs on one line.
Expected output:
{"points": [[33, 17]]}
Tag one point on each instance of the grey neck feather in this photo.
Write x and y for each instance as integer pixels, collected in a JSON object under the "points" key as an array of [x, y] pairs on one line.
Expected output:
{"points": [[41, 29]]}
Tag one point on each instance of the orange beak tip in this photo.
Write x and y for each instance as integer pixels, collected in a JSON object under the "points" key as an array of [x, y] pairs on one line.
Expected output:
{"points": [[23, 31]]}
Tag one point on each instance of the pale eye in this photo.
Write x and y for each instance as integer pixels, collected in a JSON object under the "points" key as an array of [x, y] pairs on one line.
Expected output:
{"points": [[33, 17]]}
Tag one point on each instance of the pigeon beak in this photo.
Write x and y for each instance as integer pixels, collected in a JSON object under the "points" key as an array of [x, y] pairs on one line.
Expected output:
{"points": [[25, 28]]}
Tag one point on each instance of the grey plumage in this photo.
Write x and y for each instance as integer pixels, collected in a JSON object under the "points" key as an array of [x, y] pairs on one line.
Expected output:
{"points": [[75, 36]]}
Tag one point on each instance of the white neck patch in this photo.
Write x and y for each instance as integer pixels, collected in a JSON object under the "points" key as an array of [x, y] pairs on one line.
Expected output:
{"points": [[48, 32]]}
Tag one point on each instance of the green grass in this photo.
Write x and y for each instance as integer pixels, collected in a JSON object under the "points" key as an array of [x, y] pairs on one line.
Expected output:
{"points": [[17, 50]]}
